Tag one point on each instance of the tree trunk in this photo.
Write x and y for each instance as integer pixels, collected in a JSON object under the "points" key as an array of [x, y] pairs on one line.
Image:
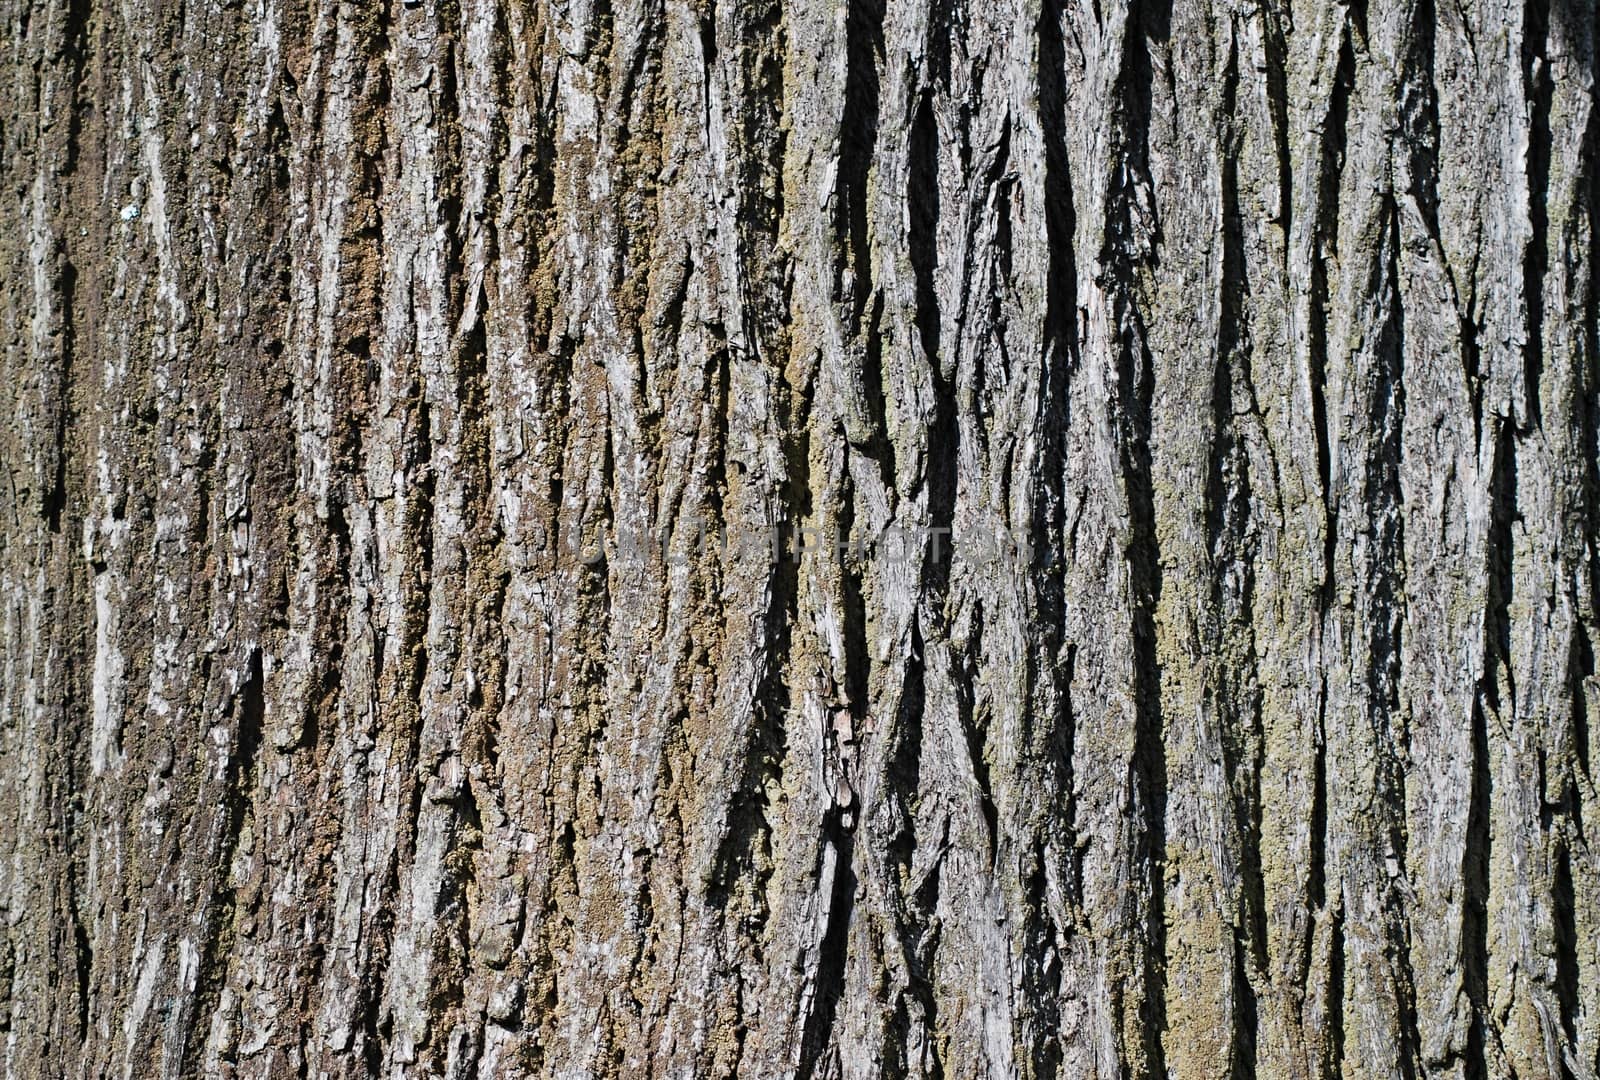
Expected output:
{"points": [[1177, 422]]}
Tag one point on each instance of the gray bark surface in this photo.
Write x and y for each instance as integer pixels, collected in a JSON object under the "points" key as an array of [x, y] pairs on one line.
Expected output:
{"points": [[345, 731]]}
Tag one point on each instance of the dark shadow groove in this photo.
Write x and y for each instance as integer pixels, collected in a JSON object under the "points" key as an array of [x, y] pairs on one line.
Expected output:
{"points": [[1276, 48], [1232, 553], [747, 826], [1419, 118], [761, 139], [1567, 990], [1317, 873], [1333, 1048], [1053, 660], [853, 607], [55, 499], [1133, 236], [922, 209], [974, 724], [1384, 614], [1324, 245], [1587, 405], [834, 950], [1246, 1019], [858, 140], [917, 902], [1478, 855], [1539, 86]]}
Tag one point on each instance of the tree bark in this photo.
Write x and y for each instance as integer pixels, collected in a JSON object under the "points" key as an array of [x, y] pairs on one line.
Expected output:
{"points": [[373, 701]]}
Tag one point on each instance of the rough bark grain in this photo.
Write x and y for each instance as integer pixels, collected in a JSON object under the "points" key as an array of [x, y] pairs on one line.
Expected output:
{"points": [[347, 348]]}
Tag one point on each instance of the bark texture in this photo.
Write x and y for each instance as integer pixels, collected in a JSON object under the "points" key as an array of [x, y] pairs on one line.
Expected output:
{"points": [[340, 338]]}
